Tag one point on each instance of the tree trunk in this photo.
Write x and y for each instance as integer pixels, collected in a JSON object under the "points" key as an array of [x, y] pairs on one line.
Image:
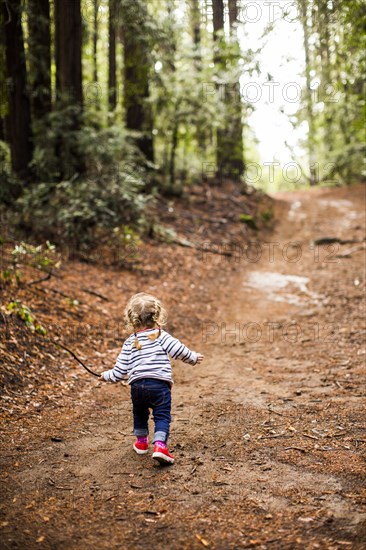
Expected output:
{"points": [[136, 74], [218, 27], [172, 48], [233, 14], [112, 81], [324, 45], [95, 41], [19, 115], [218, 17], [229, 149], [196, 34], [303, 5], [68, 41], [234, 142], [173, 151], [3, 91], [39, 59]]}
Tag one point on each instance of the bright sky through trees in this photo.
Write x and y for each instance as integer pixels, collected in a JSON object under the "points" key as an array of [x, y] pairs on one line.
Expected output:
{"points": [[276, 93]]}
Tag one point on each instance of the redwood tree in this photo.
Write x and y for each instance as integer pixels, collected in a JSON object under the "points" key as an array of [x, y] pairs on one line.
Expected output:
{"points": [[218, 29], [234, 133], [195, 17], [137, 65], [112, 82], [39, 58], [229, 150], [19, 116], [68, 42], [303, 8], [3, 94], [95, 40], [196, 31]]}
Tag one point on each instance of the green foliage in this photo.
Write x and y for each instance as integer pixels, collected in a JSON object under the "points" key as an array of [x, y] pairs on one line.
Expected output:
{"points": [[248, 220], [188, 102], [42, 257], [50, 159], [9, 186], [164, 234], [124, 243], [124, 236], [335, 107], [23, 312], [108, 195], [267, 215], [90, 181]]}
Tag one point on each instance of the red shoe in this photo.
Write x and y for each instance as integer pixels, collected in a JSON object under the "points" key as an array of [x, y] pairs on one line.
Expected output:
{"points": [[162, 455], [140, 448]]}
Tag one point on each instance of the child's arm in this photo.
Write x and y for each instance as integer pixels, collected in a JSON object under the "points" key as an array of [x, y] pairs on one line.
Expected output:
{"points": [[119, 372], [177, 350]]}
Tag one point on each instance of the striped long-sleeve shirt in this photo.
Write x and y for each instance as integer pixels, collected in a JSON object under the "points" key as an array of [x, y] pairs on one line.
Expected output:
{"points": [[152, 360]]}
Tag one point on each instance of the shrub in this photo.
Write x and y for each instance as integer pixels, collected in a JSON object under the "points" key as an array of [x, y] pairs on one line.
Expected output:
{"points": [[23, 312], [42, 257], [110, 194]]}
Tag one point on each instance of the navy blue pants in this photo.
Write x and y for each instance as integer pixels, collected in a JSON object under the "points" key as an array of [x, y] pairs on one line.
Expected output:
{"points": [[149, 393]]}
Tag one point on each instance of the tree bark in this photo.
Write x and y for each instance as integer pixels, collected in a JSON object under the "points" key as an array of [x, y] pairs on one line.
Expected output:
{"points": [[19, 115], [218, 28], [303, 5], [323, 25], [68, 41], [229, 148], [112, 68], [39, 58], [196, 34], [173, 151], [3, 91], [218, 17], [196, 30], [95, 41], [233, 14], [234, 141], [136, 74]]}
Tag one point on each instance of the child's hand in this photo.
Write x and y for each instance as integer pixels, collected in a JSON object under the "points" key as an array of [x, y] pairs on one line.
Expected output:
{"points": [[200, 357]]}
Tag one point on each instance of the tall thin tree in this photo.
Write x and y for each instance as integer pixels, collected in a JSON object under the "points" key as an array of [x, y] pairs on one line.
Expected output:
{"points": [[3, 94], [137, 66], [112, 69], [218, 30], [234, 131], [68, 41], [39, 57], [19, 114], [218, 17], [95, 39], [323, 30], [304, 16], [195, 16]]}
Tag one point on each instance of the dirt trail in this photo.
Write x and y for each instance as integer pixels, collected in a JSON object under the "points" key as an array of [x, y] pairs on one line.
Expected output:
{"points": [[268, 433]]}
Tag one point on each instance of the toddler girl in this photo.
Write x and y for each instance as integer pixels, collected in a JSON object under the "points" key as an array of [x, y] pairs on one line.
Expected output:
{"points": [[144, 359]]}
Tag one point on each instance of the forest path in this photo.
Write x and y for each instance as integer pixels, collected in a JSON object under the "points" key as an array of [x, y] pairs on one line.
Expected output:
{"points": [[267, 432]]}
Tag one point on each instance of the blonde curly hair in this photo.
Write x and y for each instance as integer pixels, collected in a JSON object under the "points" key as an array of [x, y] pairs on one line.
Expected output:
{"points": [[144, 310]]}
